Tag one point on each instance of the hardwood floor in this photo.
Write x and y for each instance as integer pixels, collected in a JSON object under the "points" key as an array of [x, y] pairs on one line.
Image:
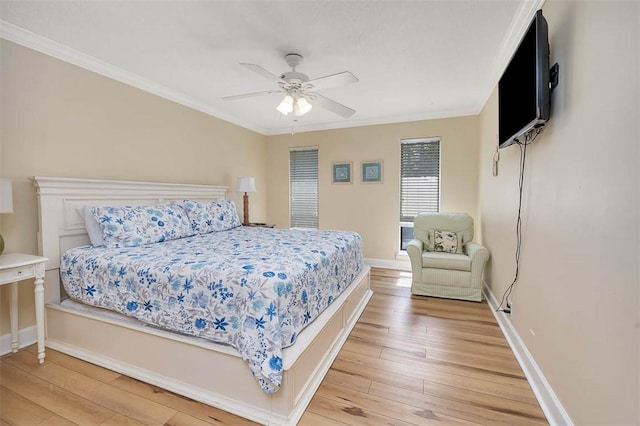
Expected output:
{"points": [[408, 361]]}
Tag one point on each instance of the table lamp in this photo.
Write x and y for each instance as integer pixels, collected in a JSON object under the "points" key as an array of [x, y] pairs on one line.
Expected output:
{"points": [[6, 203], [246, 184]]}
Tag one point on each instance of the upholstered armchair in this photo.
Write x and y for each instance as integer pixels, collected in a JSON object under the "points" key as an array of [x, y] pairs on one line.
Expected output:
{"points": [[445, 262]]}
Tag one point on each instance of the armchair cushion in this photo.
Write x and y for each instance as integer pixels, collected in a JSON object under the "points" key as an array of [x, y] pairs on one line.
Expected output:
{"points": [[457, 262]]}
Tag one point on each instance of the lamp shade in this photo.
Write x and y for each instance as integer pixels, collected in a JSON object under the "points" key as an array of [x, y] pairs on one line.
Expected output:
{"points": [[6, 196], [286, 106], [246, 184], [302, 106]]}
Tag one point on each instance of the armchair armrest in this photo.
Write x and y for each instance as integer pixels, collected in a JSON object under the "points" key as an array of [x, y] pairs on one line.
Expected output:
{"points": [[473, 249], [479, 256], [414, 250]]}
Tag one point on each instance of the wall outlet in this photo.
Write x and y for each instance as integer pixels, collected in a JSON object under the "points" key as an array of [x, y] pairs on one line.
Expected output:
{"points": [[510, 307]]}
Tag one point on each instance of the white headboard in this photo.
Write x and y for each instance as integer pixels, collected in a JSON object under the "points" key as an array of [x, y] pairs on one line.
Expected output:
{"points": [[61, 226]]}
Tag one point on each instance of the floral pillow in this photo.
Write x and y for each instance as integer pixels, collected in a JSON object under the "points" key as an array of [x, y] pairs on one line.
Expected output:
{"points": [[445, 241], [129, 226], [212, 216]]}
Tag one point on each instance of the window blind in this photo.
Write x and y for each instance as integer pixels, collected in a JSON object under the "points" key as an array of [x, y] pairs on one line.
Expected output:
{"points": [[419, 177], [303, 188]]}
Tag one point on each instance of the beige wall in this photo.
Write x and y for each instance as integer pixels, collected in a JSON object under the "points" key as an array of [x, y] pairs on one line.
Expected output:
{"points": [[61, 120], [578, 285], [373, 209]]}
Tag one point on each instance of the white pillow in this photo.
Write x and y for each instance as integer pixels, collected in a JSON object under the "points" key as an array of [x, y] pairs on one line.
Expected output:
{"points": [[93, 227]]}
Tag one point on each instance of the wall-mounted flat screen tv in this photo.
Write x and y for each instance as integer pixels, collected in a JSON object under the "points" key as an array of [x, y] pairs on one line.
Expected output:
{"points": [[523, 91]]}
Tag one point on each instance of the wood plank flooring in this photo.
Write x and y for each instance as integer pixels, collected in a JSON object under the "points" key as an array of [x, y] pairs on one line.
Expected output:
{"points": [[409, 361]]}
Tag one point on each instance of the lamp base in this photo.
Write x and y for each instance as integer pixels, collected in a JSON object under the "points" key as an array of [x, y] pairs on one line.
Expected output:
{"points": [[246, 209], [1, 244]]}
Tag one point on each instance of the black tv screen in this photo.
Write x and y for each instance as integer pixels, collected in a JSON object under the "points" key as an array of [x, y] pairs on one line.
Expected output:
{"points": [[523, 91]]}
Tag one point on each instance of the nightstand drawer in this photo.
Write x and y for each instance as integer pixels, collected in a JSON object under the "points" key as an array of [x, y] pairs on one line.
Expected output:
{"points": [[17, 274]]}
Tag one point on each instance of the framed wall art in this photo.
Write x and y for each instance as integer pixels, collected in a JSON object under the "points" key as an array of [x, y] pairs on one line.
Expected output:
{"points": [[341, 172], [372, 172]]}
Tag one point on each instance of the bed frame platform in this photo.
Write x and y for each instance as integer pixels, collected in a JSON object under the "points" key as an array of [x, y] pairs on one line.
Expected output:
{"points": [[196, 368]]}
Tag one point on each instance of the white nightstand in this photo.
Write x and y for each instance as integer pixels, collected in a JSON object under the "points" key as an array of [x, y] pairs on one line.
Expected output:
{"points": [[16, 267]]}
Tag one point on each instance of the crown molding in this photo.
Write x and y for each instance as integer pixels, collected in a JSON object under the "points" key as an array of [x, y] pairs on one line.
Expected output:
{"points": [[49, 47], [64, 53], [57, 50], [375, 121], [519, 25], [522, 19]]}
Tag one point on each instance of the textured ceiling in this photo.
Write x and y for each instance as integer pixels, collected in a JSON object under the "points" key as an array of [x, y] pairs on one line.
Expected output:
{"points": [[414, 59]]}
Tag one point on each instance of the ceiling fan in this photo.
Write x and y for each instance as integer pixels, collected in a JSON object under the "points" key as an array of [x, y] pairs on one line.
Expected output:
{"points": [[300, 92]]}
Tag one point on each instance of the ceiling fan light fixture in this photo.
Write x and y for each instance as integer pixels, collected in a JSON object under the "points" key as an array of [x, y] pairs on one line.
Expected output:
{"points": [[286, 106], [300, 91], [302, 106]]}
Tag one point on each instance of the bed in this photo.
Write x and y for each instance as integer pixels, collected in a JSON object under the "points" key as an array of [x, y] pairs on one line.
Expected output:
{"points": [[217, 373]]}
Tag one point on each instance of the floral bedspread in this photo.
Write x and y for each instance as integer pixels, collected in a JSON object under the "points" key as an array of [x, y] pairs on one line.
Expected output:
{"points": [[252, 288]]}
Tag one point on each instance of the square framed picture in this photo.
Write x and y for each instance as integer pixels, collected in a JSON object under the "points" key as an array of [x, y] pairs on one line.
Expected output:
{"points": [[372, 172], [341, 172]]}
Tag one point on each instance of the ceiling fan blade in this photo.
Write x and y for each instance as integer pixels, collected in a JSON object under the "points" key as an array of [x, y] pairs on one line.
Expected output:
{"points": [[333, 80], [251, 95], [263, 72], [333, 106]]}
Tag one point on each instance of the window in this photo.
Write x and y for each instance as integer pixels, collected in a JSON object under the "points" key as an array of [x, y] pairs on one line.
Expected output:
{"points": [[303, 187], [419, 182]]}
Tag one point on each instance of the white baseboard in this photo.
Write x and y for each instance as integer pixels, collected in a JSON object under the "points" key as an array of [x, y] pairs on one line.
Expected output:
{"points": [[549, 402], [389, 264], [26, 336]]}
